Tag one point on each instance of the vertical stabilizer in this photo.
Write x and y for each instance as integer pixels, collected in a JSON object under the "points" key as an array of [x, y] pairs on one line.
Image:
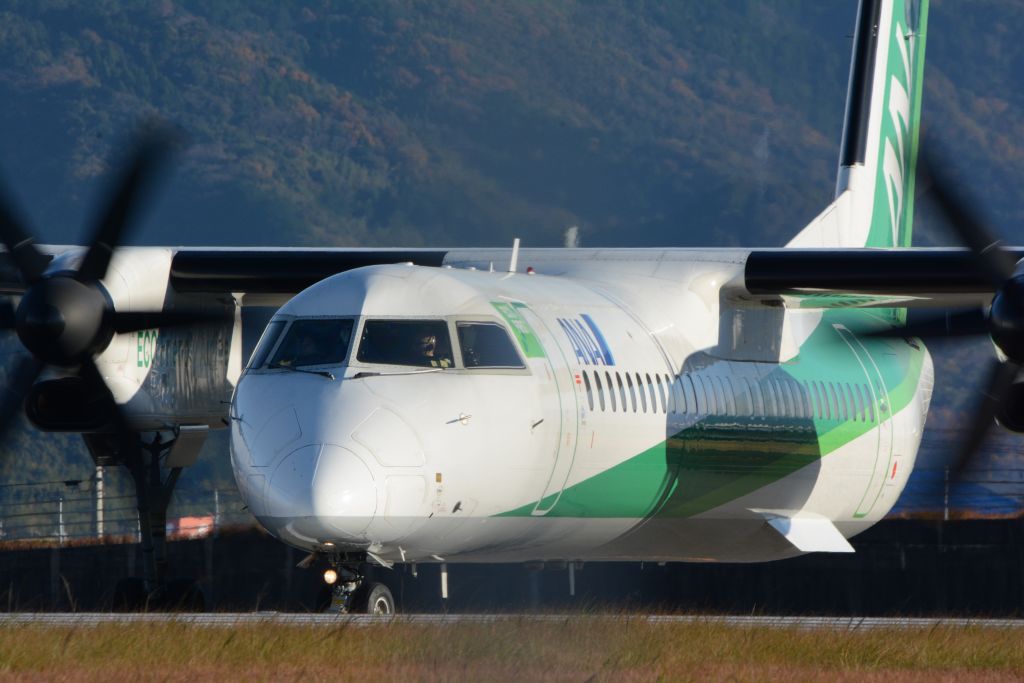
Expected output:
{"points": [[874, 204]]}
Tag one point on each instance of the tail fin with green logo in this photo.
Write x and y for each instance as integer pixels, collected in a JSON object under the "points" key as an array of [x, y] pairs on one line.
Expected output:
{"points": [[874, 204]]}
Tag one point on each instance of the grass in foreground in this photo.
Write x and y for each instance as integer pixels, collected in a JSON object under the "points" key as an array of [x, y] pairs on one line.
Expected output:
{"points": [[580, 648]]}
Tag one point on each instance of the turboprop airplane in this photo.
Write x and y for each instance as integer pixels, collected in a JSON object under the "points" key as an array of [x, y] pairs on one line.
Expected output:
{"points": [[488, 405]]}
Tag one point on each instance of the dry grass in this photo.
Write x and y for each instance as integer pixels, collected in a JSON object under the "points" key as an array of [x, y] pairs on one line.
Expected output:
{"points": [[578, 649]]}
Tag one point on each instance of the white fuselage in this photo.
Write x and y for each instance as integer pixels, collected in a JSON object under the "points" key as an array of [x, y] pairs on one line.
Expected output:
{"points": [[635, 427]]}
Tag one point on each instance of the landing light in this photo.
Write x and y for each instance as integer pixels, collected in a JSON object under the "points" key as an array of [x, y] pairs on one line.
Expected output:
{"points": [[330, 576]]}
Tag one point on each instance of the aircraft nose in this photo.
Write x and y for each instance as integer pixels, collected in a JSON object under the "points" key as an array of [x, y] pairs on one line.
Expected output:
{"points": [[326, 488]]}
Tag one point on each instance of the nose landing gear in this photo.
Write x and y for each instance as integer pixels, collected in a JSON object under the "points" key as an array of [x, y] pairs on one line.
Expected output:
{"points": [[351, 592]]}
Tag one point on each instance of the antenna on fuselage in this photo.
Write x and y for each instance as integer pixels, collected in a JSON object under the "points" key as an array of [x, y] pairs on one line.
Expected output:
{"points": [[515, 256], [572, 237]]}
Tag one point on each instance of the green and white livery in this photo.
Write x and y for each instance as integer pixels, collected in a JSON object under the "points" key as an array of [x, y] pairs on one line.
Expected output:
{"points": [[605, 404]]}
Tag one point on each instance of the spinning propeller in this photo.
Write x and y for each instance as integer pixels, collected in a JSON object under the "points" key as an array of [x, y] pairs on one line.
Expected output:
{"points": [[65, 317], [1002, 397]]}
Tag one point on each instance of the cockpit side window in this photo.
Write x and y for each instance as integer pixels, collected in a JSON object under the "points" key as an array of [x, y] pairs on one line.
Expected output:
{"points": [[421, 343], [266, 343], [314, 342], [487, 345]]}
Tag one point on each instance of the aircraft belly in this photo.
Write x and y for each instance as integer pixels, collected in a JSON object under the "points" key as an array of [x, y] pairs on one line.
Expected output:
{"points": [[486, 539]]}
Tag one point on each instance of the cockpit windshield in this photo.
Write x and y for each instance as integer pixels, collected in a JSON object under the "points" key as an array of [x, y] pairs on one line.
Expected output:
{"points": [[487, 345], [421, 343], [266, 344], [314, 342]]}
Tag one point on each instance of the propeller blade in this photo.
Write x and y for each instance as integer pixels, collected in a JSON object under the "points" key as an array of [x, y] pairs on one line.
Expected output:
{"points": [[12, 396], [951, 323], [995, 262], [1001, 377], [103, 398], [29, 261], [129, 445], [109, 229], [134, 321]]}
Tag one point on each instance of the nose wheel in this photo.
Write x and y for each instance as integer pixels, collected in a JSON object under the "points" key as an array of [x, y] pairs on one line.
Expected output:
{"points": [[352, 593]]}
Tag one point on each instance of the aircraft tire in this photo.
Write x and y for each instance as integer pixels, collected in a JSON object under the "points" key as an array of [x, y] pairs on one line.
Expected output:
{"points": [[374, 598]]}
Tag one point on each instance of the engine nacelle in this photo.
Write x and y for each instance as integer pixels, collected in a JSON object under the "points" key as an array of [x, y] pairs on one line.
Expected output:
{"points": [[65, 405]]}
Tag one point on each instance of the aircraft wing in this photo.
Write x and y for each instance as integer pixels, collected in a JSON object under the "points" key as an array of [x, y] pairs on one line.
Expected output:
{"points": [[272, 271], [279, 271], [870, 277], [818, 278], [913, 276]]}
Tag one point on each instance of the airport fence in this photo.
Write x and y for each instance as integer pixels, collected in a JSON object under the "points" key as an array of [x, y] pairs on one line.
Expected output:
{"points": [[71, 512]]}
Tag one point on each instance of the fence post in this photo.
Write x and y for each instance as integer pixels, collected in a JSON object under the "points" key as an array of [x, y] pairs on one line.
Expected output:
{"points": [[99, 502], [60, 521], [945, 497]]}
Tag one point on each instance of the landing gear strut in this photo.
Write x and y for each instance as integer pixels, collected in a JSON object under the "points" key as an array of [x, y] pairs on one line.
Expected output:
{"points": [[153, 491], [351, 592]]}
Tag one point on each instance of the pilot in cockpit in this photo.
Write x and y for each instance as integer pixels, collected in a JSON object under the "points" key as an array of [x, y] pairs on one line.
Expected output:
{"points": [[427, 350]]}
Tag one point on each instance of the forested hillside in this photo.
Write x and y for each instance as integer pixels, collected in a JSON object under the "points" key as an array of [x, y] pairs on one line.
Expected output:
{"points": [[381, 122], [388, 122]]}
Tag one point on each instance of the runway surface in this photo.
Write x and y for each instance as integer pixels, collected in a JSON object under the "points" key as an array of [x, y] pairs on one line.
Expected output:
{"points": [[326, 620]]}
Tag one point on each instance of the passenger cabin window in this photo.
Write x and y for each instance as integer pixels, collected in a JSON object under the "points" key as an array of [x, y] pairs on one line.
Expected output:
{"points": [[786, 397], [650, 389], [730, 396], [719, 390], [611, 389], [632, 392], [590, 391], [487, 345], [420, 343], [266, 343], [745, 404], [835, 401], [599, 389], [818, 402], [703, 397], [848, 409], [770, 400], [689, 395], [314, 342], [622, 391], [757, 399]]}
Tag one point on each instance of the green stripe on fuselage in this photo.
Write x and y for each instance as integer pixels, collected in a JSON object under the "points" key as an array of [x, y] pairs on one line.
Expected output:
{"points": [[721, 458]]}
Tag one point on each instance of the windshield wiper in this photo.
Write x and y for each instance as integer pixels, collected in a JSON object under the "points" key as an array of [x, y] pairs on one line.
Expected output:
{"points": [[362, 375], [322, 373]]}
